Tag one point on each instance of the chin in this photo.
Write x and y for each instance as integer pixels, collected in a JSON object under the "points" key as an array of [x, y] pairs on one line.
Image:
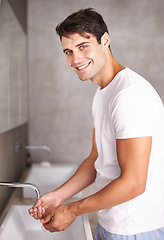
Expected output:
{"points": [[83, 78]]}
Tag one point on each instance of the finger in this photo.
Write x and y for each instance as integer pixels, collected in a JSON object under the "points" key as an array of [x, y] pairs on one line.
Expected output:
{"points": [[35, 213], [43, 212], [46, 226], [38, 202], [31, 211], [47, 219], [39, 213], [36, 205], [49, 227]]}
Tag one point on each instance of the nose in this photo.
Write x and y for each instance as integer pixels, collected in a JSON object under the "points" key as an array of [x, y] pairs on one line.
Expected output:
{"points": [[76, 59]]}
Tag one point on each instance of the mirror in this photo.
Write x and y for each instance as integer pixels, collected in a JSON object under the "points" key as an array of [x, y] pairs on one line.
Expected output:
{"points": [[13, 70], [4, 67]]}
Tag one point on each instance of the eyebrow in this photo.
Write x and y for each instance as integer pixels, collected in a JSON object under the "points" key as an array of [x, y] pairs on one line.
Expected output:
{"points": [[67, 49]]}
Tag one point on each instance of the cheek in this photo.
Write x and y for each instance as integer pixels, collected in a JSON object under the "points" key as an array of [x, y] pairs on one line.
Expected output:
{"points": [[68, 60], [93, 54], [89, 54]]}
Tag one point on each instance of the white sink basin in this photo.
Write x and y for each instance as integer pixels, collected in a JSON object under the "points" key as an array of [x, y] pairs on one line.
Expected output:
{"points": [[48, 177], [19, 225]]}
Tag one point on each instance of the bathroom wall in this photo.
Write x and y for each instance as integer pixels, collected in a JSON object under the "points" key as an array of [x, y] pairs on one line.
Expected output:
{"points": [[13, 92], [60, 104], [12, 164]]}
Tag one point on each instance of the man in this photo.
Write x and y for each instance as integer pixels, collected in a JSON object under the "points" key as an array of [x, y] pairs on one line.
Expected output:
{"points": [[126, 161]]}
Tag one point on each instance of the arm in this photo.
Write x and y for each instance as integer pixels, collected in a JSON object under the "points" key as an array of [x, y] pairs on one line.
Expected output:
{"points": [[84, 176], [133, 157]]}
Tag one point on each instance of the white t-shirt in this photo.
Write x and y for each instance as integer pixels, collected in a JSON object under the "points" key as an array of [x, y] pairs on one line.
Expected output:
{"points": [[130, 107]]}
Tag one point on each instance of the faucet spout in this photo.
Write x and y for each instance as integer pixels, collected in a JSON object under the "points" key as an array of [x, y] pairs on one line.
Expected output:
{"points": [[19, 184], [37, 148], [18, 146]]}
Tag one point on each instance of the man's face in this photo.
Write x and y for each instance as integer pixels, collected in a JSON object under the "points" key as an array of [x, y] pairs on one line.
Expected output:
{"points": [[84, 55]]}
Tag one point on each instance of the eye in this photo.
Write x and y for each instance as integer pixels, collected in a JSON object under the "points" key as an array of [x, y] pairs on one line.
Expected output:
{"points": [[68, 52], [83, 47]]}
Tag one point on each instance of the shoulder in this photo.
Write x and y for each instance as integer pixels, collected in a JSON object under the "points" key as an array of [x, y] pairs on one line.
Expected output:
{"points": [[130, 85]]}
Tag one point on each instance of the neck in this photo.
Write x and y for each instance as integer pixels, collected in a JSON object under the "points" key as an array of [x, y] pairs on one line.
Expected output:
{"points": [[109, 72]]}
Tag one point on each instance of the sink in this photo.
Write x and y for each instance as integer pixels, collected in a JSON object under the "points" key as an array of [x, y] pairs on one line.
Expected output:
{"points": [[47, 177], [18, 224]]}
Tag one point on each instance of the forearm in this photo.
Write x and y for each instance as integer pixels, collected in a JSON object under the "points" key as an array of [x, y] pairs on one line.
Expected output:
{"points": [[133, 157], [115, 193], [83, 177]]}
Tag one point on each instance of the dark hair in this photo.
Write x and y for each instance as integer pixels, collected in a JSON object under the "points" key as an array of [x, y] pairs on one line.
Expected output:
{"points": [[83, 21]]}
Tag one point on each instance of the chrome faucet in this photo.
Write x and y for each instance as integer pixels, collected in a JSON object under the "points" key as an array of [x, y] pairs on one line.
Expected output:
{"points": [[19, 146], [19, 184]]}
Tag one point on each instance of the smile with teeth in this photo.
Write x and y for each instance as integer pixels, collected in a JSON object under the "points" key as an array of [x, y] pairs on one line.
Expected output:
{"points": [[83, 66]]}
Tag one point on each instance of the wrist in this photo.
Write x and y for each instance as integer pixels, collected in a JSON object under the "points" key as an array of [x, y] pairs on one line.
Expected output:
{"points": [[62, 195], [77, 208]]}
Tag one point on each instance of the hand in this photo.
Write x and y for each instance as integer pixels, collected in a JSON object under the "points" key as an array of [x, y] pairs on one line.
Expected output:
{"points": [[59, 219], [45, 205]]}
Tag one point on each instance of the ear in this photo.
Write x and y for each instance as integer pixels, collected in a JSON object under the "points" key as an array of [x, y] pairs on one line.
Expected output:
{"points": [[105, 39]]}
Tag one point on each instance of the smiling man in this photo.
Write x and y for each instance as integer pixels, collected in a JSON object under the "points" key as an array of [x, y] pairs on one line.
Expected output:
{"points": [[83, 56], [127, 156]]}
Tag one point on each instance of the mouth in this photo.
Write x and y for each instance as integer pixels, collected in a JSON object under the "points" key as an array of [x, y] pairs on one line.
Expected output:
{"points": [[83, 66]]}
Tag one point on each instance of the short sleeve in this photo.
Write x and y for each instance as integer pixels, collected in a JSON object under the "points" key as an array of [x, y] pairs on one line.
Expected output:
{"points": [[131, 113]]}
